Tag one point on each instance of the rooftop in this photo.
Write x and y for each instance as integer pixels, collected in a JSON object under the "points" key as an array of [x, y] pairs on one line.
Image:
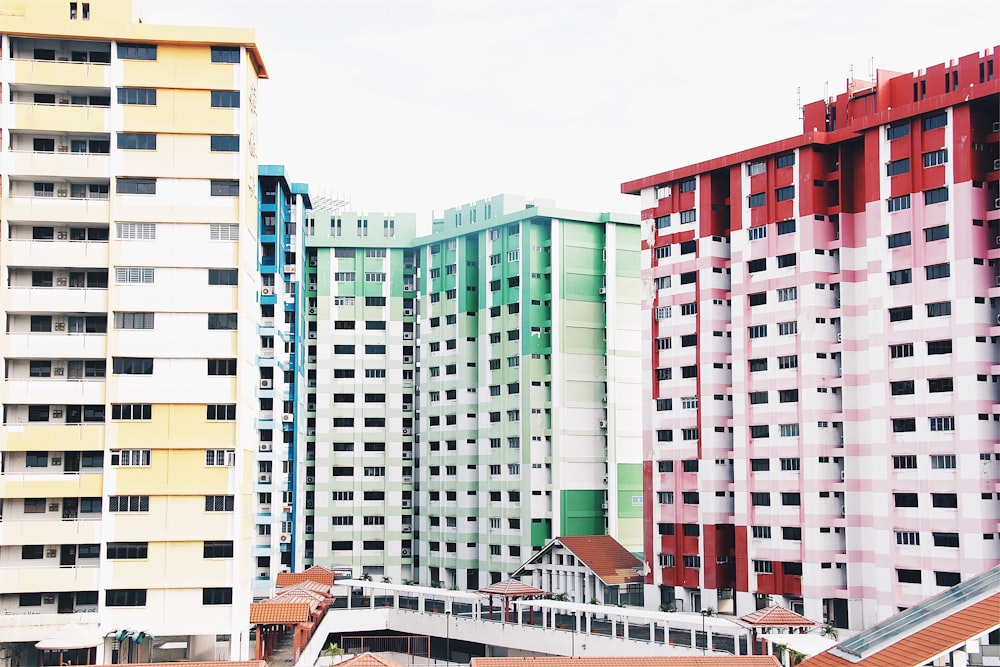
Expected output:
{"points": [[602, 554], [647, 661]]}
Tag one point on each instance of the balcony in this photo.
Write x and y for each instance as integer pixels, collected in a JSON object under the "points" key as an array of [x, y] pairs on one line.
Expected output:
{"points": [[51, 485], [60, 73], [46, 531], [64, 117], [57, 210], [34, 254], [56, 391], [27, 626], [60, 164], [53, 437], [49, 577], [58, 345], [57, 299]]}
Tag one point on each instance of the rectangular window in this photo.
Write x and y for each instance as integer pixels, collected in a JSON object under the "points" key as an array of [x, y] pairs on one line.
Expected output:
{"points": [[136, 231], [125, 597], [901, 314], [756, 233], [757, 265], [689, 185], [788, 328], [786, 227], [218, 503], [784, 261], [939, 309], [135, 186], [757, 299], [941, 423], [786, 193], [138, 96], [662, 222], [758, 397], [943, 461], [136, 141], [223, 276], [904, 462], [788, 293], [897, 167], [760, 499], [225, 188], [225, 458], [900, 203], [901, 387], [226, 99], [222, 321], [908, 576], [789, 430], [940, 385], [935, 121], [899, 240], [220, 412], [901, 350], [758, 365], [760, 532], [935, 196], [128, 504], [760, 431], [934, 158], [901, 277], [132, 365], [225, 143], [130, 457], [897, 131], [939, 347], [788, 361], [218, 549], [688, 216], [756, 167], [217, 596], [225, 54], [136, 51], [128, 550], [936, 271], [132, 412], [786, 160], [904, 425], [757, 331], [755, 200], [946, 500]]}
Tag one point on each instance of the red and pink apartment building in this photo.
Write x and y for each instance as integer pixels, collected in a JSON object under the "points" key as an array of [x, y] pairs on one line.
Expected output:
{"points": [[822, 362]]}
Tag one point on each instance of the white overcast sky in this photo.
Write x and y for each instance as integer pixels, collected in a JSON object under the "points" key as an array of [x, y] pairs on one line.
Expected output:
{"points": [[419, 105]]}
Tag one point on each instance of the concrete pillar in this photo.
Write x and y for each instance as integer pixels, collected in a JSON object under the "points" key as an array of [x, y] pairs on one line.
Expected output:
{"points": [[625, 627]]}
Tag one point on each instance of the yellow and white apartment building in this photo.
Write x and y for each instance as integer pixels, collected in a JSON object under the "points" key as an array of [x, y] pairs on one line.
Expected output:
{"points": [[128, 220]]}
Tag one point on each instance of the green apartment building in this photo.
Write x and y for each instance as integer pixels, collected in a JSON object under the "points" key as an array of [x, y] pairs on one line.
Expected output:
{"points": [[472, 393]]}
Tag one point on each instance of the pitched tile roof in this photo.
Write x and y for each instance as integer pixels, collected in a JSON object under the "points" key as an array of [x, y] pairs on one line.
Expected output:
{"points": [[922, 645], [316, 573], [313, 586], [609, 560], [644, 661], [371, 660], [776, 616], [238, 663], [279, 612], [296, 594], [511, 588]]}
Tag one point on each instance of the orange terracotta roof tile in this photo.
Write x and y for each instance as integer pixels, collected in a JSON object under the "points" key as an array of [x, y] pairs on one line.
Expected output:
{"points": [[644, 661], [297, 594], [921, 645], [511, 588], [279, 612], [238, 663], [371, 660], [315, 573], [608, 559], [776, 616], [313, 586]]}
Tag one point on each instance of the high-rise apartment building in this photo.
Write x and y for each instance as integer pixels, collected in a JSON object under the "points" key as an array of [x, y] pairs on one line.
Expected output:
{"points": [[129, 223], [820, 320], [472, 393]]}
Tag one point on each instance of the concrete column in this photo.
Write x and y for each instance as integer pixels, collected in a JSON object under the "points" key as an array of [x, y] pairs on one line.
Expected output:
{"points": [[625, 626]]}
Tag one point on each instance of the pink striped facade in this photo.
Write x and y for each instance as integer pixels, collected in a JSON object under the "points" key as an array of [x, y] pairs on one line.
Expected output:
{"points": [[821, 368]]}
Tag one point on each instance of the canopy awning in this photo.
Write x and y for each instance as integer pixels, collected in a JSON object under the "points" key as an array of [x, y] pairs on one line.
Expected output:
{"points": [[71, 636]]}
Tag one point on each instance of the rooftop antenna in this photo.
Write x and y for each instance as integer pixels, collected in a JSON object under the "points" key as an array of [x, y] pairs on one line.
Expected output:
{"points": [[798, 101], [331, 202], [871, 69]]}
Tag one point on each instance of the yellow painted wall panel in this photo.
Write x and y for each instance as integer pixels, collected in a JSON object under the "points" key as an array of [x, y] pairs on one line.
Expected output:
{"points": [[149, 209], [181, 111], [181, 66], [49, 579], [180, 156], [51, 486], [173, 518], [45, 531], [176, 564], [46, 117], [52, 437], [173, 472], [174, 427], [54, 73]]}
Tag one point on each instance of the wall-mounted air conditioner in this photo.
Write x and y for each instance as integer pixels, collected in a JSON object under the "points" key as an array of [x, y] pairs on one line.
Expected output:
{"points": [[264, 478], [265, 446], [604, 506], [62, 192], [407, 359], [407, 529], [602, 423], [311, 407], [405, 504], [996, 126], [266, 383], [407, 430], [62, 148], [407, 407], [407, 454], [605, 479], [312, 261], [62, 236], [312, 335], [285, 538], [288, 418], [405, 552], [407, 287], [267, 290], [602, 291], [262, 574], [310, 480], [289, 268], [996, 165], [407, 335], [407, 312]]}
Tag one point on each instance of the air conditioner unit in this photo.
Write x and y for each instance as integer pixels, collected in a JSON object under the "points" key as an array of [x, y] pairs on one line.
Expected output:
{"points": [[62, 236], [605, 479], [57, 414], [288, 418], [311, 359], [602, 424], [996, 203], [264, 477], [289, 268], [265, 383], [262, 574], [998, 241], [407, 407], [60, 326], [312, 287], [407, 312], [998, 281], [839, 337], [405, 552], [407, 287], [996, 126], [604, 506], [310, 505], [59, 371], [843, 510], [407, 454], [602, 291], [407, 430], [63, 148], [407, 335], [265, 446], [285, 537], [407, 359], [62, 192], [311, 430], [405, 504], [996, 165], [312, 335], [407, 529], [267, 290], [841, 475], [286, 510], [310, 480], [311, 407], [407, 479], [310, 529], [60, 282], [64, 100], [312, 261], [313, 310]]}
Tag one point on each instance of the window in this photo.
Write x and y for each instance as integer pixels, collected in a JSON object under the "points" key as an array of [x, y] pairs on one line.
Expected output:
{"points": [[897, 167], [786, 227], [132, 365], [943, 461], [935, 158], [901, 277], [939, 309], [758, 365], [897, 131], [791, 464], [940, 578], [899, 240], [689, 308], [936, 233], [225, 188], [139, 96], [225, 143], [128, 550], [945, 539], [688, 216], [904, 462], [788, 294], [788, 395], [901, 388], [935, 271], [136, 51], [942, 423], [756, 233], [218, 503], [904, 425], [785, 193], [225, 54], [218, 549], [693, 562], [125, 597], [223, 276], [907, 537], [226, 99], [901, 314], [789, 430], [756, 167], [786, 160], [760, 431], [217, 596], [130, 457], [757, 331], [662, 222], [901, 350], [791, 498], [788, 328], [900, 203], [222, 321], [663, 191], [935, 196], [789, 361], [908, 576], [758, 397], [939, 347], [784, 261], [763, 567], [135, 186], [689, 433], [755, 200], [760, 499], [935, 121], [220, 412], [128, 504], [220, 457], [757, 265], [940, 385], [689, 371], [946, 500], [688, 185], [662, 252], [136, 141]]}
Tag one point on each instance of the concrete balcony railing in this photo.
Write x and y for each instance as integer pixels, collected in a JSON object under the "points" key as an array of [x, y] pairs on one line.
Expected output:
{"points": [[69, 118], [56, 391], [44, 530], [57, 299], [57, 254], [63, 165], [56, 345], [61, 73]]}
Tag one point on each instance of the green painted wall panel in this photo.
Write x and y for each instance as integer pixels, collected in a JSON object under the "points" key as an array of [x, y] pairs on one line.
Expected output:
{"points": [[582, 340], [629, 490], [582, 287], [581, 512], [541, 532]]}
